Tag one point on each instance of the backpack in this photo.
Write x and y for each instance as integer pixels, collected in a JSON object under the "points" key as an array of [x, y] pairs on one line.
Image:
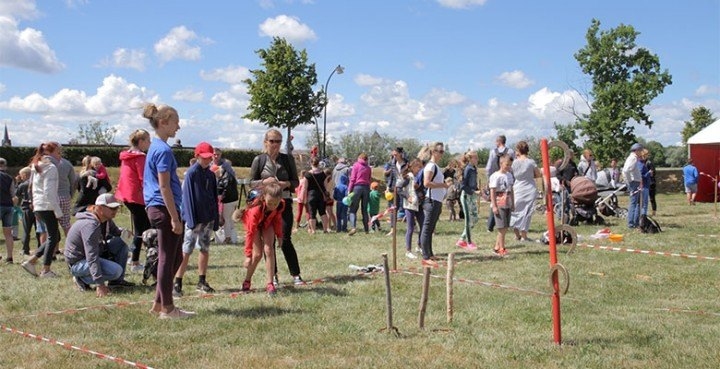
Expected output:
{"points": [[649, 225], [149, 238], [453, 192]]}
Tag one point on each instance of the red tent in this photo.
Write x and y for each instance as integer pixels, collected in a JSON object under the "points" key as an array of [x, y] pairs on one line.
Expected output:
{"points": [[704, 150]]}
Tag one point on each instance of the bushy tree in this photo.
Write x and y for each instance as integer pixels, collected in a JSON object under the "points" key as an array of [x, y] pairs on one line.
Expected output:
{"points": [[625, 79], [281, 94], [676, 156], [701, 118], [95, 133]]}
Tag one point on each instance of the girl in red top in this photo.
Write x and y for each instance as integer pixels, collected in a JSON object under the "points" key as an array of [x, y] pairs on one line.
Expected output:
{"points": [[263, 222], [130, 190]]}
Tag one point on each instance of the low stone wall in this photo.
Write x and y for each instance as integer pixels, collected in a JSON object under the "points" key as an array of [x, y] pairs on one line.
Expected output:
{"points": [[669, 180]]}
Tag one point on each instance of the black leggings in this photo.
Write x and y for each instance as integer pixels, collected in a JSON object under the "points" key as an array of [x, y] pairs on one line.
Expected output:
{"points": [[47, 249], [140, 223], [286, 245]]}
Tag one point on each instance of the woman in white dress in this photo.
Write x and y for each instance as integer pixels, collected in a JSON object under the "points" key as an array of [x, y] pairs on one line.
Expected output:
{"points": [[525, 190]]}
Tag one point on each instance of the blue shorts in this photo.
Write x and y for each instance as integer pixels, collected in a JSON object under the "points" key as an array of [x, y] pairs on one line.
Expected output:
{"points": [[691, 188], [6, 214]]}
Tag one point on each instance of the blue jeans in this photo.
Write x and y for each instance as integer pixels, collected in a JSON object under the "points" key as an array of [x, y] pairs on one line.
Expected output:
{"points": [[645, 200], [412, 217], [341, 212], [112, 264], [431, 212], [633, 219]]}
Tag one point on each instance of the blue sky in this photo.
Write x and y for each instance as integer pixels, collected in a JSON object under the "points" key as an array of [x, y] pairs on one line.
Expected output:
{"points": [[457, 71]]}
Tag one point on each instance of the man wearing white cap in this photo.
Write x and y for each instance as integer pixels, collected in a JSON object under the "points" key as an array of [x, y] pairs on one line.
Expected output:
{"points": [[633, 178], [94, 250]]}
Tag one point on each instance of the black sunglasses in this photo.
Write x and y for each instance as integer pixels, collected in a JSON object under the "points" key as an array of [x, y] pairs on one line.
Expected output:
{"points": [[274, 141]]}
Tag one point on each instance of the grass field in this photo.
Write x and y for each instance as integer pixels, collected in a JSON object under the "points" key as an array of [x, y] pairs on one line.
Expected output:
{"points": [[623, 309]]}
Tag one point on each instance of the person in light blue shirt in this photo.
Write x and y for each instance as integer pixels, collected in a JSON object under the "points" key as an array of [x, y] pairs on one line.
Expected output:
{"points": [[690, 173]]}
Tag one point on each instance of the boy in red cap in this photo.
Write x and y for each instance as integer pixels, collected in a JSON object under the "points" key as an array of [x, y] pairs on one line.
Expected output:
{"points": [[200, 213]]}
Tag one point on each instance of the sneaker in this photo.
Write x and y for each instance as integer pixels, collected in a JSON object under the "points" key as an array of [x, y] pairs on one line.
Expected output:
{"points": [[298, 281], [177, 313], [139, 268], [270, 288], [428, 263], [177, 290], [410, 255], [275, 281], [471, 246], [461, 244], [81, 285], [29, 267], [48, 274], [352, 232], [120, 283], [246, 286], [204, 288]]}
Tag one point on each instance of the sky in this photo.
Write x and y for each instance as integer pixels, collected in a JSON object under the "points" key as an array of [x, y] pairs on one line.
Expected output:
{"points": [[456, 71]]}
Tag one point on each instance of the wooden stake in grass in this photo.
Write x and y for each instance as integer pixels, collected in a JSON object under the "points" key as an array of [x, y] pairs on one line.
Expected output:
{"points": [[424, 297], [449, 286], [388, 297]]}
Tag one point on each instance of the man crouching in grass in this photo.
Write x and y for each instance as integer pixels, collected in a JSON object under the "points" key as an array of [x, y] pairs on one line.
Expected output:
{"points": [[94, 250]]}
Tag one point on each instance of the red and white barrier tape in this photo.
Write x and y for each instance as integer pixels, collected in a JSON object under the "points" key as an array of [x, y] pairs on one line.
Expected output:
{"points": [[650, 252], [73, 347]]}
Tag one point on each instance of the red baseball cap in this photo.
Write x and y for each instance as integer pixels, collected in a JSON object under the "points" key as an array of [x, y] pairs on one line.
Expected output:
{"points": [[204, 150]]}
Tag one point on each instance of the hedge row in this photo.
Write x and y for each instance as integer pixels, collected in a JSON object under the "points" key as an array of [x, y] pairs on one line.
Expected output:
{"points": [[18, 157]]}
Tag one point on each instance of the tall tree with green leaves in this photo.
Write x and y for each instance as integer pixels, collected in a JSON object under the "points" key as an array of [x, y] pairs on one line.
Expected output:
{"points": [[701, 118], [281, 94], [625, 79], [96, 133]]}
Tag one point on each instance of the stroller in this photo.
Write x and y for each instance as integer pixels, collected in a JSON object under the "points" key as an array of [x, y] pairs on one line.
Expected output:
{"points": [[607, 203], [583, 196]]}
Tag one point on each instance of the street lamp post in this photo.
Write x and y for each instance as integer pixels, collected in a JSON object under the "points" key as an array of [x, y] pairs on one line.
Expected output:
{"points": [[339, 69]]}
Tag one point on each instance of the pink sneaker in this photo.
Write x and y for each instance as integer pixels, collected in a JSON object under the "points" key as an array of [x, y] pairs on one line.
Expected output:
{"points": [[471, 246], [461, 244]]}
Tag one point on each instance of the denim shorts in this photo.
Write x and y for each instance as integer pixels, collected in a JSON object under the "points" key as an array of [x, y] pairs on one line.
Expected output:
{"points": [[6, 214], [197, 240]]}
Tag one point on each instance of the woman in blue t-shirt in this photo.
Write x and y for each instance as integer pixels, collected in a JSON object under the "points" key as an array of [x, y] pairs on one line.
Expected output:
{"points": [[162, 194]]}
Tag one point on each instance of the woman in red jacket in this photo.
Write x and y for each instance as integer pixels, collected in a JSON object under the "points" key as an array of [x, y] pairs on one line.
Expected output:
{"points": [[130, 190], [263, 222]]}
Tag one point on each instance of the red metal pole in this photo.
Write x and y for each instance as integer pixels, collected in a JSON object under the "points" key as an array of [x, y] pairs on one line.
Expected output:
{"points": [[557, 335]]}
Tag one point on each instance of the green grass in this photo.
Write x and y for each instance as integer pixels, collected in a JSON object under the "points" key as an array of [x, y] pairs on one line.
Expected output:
{"points": [[611, 317]]}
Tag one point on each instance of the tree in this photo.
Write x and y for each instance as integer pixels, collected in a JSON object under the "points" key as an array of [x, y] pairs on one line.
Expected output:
{"points": [[701, 118], [676, 156], [96, 133], [567, 134], [625, 79], [281, 95]]}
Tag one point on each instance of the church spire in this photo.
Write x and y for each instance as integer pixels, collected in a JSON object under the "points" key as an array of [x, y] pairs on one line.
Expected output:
{"points": [[6, 139]]}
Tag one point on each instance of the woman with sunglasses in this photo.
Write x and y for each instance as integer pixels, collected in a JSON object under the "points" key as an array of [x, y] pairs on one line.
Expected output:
{"points": [[272, 166], [435, 186]]}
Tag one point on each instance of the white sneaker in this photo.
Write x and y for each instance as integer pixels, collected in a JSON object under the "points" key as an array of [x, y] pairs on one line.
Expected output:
{"points": [[410, 255], [48, 274], [29, 267]]}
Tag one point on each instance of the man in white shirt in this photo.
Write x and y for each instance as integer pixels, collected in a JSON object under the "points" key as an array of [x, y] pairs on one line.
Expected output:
{"points": [[633, 178]]}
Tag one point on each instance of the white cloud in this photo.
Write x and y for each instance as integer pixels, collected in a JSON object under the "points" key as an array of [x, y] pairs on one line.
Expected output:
{"points": [[287, 27], [515, 79], [707, 90], [235, 99], [26, 48], [461, 4], [19, 9], [231, 74], [442, 97], [114, 96], [188, 94], [126, 58], [179, 43], [365, 80]]}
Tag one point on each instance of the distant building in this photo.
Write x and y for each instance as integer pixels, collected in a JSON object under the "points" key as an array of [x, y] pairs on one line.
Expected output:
{"points": [[6, 139]]}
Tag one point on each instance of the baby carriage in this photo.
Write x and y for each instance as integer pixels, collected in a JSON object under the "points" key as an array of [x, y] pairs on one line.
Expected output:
{"points": [[607, 203], [583, 195]]}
